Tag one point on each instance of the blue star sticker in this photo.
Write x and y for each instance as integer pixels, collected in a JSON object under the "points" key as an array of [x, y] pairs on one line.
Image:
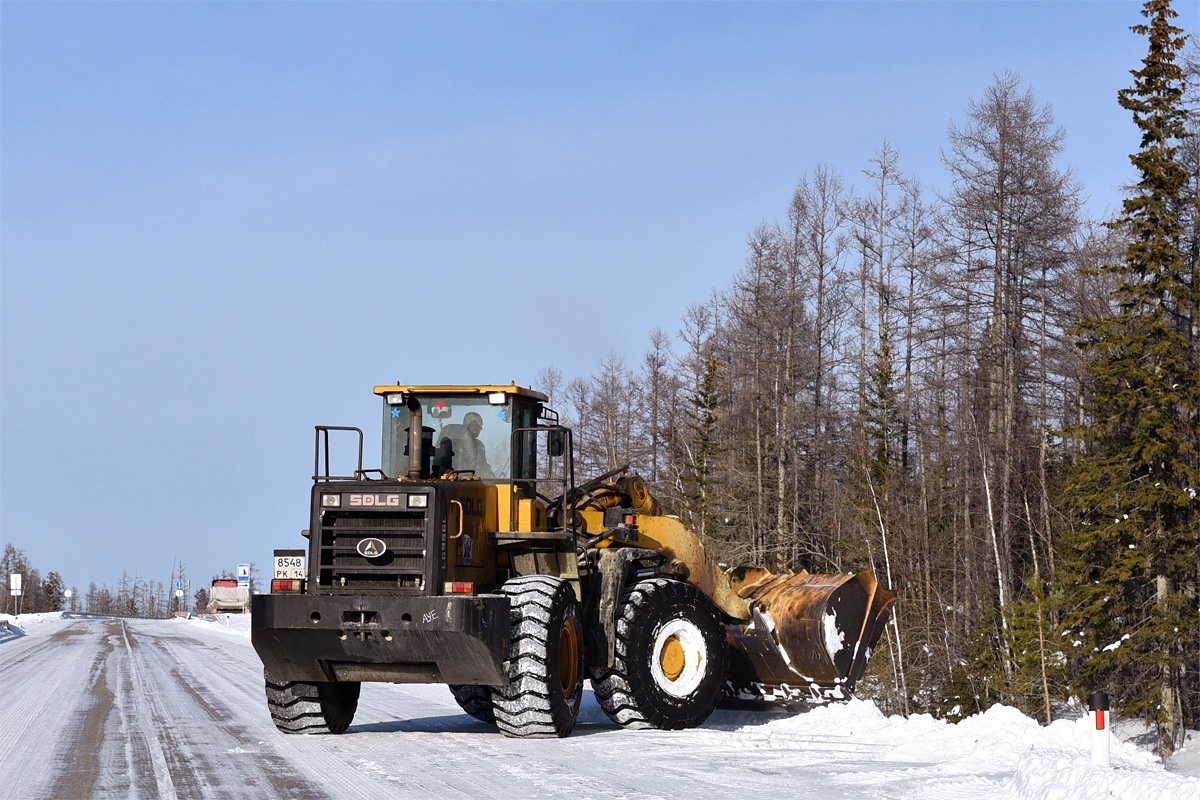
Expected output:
{"points": [[395, 412]]}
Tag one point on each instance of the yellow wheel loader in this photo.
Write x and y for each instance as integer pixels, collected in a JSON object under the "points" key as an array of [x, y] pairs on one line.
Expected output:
{"points": [[473, 558]]}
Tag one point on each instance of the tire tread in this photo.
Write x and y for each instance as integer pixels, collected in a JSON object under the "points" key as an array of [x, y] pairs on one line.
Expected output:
{"points": [[299, 707], [526, 707], [616, 689]]}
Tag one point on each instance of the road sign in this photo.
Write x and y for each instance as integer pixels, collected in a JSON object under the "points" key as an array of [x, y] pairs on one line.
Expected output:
{"points": [[14, 582], [180, 585], [243, 573], [179, 592], [67, 594]]}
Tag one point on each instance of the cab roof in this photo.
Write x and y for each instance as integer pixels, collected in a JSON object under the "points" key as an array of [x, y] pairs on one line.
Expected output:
{"points": [[463, 390]]}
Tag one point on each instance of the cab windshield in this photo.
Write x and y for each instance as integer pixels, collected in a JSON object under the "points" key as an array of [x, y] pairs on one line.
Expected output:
{"points": [[469, 434]]}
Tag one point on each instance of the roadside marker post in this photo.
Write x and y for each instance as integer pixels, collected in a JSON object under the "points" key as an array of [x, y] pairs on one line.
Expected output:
{"points": [[183, 590], [1101, 722], [243, 574], [14, 588]]}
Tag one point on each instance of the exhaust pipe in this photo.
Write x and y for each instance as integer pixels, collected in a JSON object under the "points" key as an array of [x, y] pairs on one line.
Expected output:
{"points": [[415, 421]]}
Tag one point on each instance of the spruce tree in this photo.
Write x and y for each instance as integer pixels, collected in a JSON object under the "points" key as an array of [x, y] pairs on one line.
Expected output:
{"points": [[52, 591], [201, 601], [1038, 670], [702, 480], [876, 479], [1130, 562]]}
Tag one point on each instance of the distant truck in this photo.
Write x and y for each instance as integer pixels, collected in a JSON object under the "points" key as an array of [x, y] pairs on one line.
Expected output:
{"points": [[229, 597]]}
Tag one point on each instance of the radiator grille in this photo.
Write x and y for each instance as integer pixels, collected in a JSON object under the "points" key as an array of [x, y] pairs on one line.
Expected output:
{"points": [[400, 569]]}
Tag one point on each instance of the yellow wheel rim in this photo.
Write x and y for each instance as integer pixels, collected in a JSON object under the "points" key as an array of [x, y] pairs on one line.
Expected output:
{"points": [[568, 659], [671, 659]]}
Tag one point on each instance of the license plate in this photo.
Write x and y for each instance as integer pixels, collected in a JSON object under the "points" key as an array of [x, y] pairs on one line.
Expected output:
{"points": [[291, 568]]}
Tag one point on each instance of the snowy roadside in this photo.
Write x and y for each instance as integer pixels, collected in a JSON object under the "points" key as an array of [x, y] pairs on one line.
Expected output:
{"points": [[236, 625], [846, 750], [12, 627], [1044, 762]]}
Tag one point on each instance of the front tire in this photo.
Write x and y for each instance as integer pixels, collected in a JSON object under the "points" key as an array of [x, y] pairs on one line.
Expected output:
{"points": [[670, 658], [545, 660], [308, 708]]}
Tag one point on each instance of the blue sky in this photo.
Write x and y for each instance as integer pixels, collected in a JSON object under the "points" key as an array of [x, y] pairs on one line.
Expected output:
{"points": [[222, 223]]}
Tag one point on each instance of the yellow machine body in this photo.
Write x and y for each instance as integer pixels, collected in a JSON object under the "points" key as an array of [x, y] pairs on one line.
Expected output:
{"points": [[792, 636]]}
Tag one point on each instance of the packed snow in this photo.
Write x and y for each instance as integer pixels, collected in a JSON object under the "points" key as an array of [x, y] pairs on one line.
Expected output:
{"points": [[414, 742]]}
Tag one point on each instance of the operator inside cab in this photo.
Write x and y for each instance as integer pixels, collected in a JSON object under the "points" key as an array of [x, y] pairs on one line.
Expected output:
{"points": [[459, 446]]}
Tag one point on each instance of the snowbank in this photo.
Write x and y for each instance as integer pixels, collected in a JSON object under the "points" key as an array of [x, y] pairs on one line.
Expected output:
{"points": [[230, 624], [1186, 760], [10, 627], [1045, 763], [26, 620], [1063, 775], [13, 627]]}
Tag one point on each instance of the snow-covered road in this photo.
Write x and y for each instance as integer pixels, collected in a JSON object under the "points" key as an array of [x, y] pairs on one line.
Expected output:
{"points": [[96, 708]]}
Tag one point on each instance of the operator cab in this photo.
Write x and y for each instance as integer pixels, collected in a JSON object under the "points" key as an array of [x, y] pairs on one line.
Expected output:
{"points": [[466, 431]]}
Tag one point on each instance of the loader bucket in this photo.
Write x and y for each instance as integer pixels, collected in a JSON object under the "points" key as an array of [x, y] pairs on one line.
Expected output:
{"points": [[808, 638]]}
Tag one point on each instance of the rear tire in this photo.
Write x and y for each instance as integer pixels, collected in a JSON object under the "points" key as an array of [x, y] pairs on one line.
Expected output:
{"points": [[302, 707], [670, 658], [475, 700], [545, 660]]}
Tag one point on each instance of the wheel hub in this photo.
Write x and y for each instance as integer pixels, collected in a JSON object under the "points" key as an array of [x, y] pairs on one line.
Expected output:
{"points": [[679, 659], [672, 659]]}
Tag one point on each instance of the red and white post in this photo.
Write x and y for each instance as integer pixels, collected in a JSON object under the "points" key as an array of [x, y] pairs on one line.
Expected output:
{"points": [[1101, 722]]}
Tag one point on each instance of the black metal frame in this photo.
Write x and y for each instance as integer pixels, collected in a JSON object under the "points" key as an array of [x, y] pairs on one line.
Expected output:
{"points": [[359, 474], [567, 482]]}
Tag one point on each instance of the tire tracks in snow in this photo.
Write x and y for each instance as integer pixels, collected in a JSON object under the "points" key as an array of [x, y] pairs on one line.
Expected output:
{"points": [[143, 709], [108, 750], [209, 752], [83, 762], [43, 707], [359, 766], [147, 723], [364, 764]]}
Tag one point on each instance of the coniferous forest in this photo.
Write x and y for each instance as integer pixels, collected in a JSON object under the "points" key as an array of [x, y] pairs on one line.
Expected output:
{"points": [[984, 396]]}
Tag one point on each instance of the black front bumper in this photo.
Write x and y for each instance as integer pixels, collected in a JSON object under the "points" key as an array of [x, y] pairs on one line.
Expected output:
{"points": [[456, 639]]}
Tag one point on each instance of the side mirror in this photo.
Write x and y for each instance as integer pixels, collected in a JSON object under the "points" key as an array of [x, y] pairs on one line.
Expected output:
{"points": [[556, 443]]}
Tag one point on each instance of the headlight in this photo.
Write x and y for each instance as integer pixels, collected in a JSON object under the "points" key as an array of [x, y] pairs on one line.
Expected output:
{"points": [[497, 398], [331, 500], [395, 399], [418, 500]]}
